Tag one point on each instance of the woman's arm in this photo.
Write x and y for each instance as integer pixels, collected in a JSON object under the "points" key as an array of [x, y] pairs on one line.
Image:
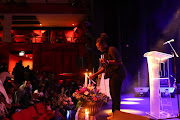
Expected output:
{"points": [[101, 70], [115, 57], [110, 62], [113, 62]]}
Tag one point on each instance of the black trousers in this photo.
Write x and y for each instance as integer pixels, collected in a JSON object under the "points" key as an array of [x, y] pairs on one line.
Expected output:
{"points": [[115, 84]]}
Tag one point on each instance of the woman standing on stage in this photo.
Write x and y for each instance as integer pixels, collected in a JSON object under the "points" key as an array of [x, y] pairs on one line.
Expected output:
{"points": [[113, 68]]}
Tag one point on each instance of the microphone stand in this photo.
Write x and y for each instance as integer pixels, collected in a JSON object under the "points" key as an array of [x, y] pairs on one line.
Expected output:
{"points": [[175, 56]]}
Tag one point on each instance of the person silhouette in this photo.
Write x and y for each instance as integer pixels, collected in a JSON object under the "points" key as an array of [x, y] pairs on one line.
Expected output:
{"points": [[113, 67]]}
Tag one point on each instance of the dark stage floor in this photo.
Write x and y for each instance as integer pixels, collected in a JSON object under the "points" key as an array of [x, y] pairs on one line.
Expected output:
{"points": [[135, 105]]}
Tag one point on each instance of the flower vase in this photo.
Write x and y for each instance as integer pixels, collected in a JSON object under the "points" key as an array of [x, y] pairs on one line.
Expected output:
{"points": [[93, 108]]}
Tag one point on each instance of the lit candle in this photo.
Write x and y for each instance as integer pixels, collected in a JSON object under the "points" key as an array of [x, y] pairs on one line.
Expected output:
{"points": [[85, 83], [101, 56], [86, 115], [89, 80]]}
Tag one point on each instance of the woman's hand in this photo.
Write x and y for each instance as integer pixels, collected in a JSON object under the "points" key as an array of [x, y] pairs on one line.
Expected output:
{"points": [[101, 70], [104, 61], [92, 76]]}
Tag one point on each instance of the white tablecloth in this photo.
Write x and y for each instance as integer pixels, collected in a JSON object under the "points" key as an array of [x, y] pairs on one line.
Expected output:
{"points": [[104, 86]]}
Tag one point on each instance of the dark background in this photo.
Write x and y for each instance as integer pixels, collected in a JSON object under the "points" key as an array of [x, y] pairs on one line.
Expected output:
{"points": [[136, 27]]}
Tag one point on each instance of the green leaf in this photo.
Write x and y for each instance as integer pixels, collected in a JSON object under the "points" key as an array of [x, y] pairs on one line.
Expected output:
{"points": [[79, 103]]}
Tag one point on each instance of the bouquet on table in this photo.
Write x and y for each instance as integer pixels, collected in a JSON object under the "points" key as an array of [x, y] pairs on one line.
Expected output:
{"points": [[89, 94], [65, 101]]}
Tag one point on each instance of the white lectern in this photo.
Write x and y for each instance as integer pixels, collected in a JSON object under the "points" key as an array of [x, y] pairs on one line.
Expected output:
{"points": [[154, 59]]}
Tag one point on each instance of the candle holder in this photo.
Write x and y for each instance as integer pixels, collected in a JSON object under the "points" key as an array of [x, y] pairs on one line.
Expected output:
{"points": [[93, 108]]}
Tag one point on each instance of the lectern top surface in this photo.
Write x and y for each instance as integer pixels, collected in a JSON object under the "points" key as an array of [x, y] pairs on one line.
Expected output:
{"points": [[158, 55]]}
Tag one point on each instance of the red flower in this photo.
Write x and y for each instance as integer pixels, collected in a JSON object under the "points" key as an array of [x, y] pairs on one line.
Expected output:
{"points": [[77, 91], [95, 98], [98, 89], [82, 90]]}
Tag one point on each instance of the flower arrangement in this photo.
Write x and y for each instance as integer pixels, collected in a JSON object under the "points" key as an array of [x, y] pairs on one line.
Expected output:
{"points": [[89, 94], [64, 101]]}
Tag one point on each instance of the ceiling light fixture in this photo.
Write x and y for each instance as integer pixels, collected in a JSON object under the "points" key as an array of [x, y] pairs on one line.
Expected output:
{"points": [[21, 53]]}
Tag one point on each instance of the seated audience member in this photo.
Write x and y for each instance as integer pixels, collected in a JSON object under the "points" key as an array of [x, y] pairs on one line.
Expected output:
{"points": [[48, 104], [12, 98], [43, 78], [24, 94], [3, 75], [47, 92], [3, 105], [49, 108], [30, 76], [5, 108], [41, 91], [55, 100]]}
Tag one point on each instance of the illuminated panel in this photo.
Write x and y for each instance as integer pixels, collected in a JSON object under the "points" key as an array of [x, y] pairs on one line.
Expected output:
{"points": [[132, 111], [133, 99], [129, 103]]}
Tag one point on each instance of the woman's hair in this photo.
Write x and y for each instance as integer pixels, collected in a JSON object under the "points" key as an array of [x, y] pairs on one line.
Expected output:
{"points": [[9, 87], [102, 39], [3, 68]]}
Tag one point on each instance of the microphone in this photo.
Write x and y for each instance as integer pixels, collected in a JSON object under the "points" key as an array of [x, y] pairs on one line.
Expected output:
{"points": [[172, 40]]}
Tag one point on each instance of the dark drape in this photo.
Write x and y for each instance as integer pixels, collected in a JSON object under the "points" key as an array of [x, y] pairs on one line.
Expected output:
{"points": [[136, 27]]}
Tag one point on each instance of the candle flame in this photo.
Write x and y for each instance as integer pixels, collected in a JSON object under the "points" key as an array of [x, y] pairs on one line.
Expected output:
{"points": [[86, 112]]}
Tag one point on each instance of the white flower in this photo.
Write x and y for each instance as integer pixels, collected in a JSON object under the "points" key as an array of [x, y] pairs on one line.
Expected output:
{"points": [[86, 93], [71, 103], [61, 99], [66, 99], [74, 94], [65, 103], [70, 99], [90, 87]]}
